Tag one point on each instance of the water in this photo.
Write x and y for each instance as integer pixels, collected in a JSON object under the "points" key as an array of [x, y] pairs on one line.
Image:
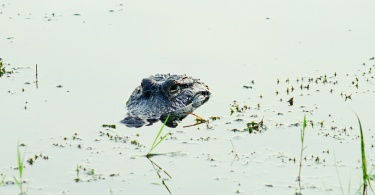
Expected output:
{"points": [[100, 51]]}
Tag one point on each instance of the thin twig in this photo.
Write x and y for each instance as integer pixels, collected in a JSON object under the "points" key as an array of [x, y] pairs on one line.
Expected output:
{"points": [[302, 148], [199, 120], [234, 150], [36, 75]]}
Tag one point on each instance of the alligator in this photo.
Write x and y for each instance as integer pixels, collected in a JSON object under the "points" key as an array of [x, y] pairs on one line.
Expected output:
{"points": [[164, 94]]}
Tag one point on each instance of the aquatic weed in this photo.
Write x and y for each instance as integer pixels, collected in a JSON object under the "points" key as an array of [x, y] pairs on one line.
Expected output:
{"points": [[302, 149], [365, 175], [3, 71], [87, 174], [156, 143], [338, 175], [199, 120], [36, 75], [255, 126], [77, 179], [2, 68], [20, 161], [109, 126], [2, 180]]}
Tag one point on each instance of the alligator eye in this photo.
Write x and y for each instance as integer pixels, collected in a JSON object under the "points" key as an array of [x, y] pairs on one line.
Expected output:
{"points": [[174, 88]]}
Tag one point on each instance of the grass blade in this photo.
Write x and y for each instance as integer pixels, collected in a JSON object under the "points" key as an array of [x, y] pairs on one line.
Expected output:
{"points": [[304, 125], [2, 180], [338, 175], [155, 143], [365, 175], [20, 163], [17, 182], [162, 138], [363, 153]]}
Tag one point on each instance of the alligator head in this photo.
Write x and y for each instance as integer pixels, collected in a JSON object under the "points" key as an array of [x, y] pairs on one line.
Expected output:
{"points": [[163, 94]]}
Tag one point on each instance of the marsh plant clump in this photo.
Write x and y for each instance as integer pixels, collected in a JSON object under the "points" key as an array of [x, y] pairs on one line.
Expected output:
{"points": [[86, 174], [235, 107], [113, 137], [31, 161], [2, 68], [109, 126], [3, 71], [253, 127]]}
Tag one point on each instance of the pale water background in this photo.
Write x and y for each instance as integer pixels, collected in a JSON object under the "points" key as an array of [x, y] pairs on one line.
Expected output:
{"points": [[99, 51]]}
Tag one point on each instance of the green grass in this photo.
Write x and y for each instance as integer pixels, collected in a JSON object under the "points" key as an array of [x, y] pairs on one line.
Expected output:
{"points": [[157, 141], [2, 180], [365, 174], [304, 125], [20, 162]]}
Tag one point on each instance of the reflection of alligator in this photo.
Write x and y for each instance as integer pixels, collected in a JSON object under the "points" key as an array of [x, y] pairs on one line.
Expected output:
{"points": [[163, 94]]}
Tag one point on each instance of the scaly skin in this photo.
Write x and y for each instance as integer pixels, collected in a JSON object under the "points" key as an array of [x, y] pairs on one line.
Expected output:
{"points": [[163, 94]]}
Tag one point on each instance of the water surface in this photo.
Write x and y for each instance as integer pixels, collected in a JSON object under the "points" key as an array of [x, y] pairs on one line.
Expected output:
{"points": [[91, 56]]}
